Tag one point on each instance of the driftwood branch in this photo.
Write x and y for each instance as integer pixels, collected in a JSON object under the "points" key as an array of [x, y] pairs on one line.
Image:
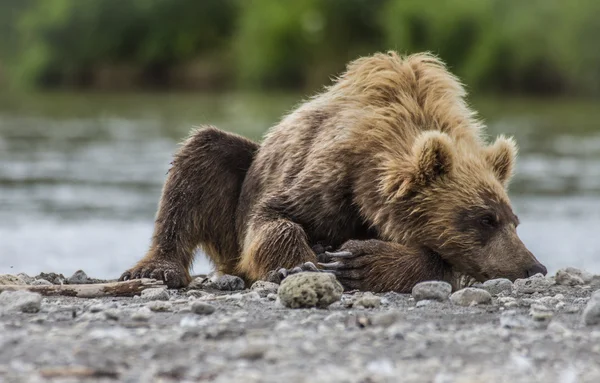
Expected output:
{"points": [[111, 289]]}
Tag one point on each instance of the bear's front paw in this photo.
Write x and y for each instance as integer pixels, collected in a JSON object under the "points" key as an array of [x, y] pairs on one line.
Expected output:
{"points": [[350, 268], [276, 276], [171, 273]]}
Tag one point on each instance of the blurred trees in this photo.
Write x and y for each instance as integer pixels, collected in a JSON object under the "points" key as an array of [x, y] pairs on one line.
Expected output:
{"points": [[536, 46]]}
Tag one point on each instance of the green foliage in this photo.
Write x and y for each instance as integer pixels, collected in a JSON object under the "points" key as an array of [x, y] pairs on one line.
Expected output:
{"points": [[544, 46]]}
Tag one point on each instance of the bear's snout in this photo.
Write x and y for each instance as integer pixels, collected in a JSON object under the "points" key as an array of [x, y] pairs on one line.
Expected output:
{"points": [[536, 269]]}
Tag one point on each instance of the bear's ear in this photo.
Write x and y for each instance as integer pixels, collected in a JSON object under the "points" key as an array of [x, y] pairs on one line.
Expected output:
{"points": [[501, 156], [433, 156]]}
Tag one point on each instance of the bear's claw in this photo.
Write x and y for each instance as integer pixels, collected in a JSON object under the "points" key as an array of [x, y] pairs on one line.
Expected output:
{"points": [[279, 275], [172, 275]]}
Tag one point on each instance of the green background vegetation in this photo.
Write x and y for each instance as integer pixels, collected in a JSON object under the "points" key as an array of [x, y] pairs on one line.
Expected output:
{"points": [[501, 46]]}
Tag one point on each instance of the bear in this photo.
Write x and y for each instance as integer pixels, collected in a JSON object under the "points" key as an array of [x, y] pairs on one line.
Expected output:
{"points": [[384, 179]]}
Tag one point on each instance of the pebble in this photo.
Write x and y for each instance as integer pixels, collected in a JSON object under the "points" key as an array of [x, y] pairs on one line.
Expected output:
{"points": [[367, 301], [535, 284], [202, 308], [272, 297], [436, 290], [571, 276], [196, 293], [9, 279], [591, 313], [308, 289], [425, 302], [40, 282], [497, 286], [159, 306], [142, 315], [23, 301], [155, 294], [112, 314], [78, 278], [540, 312], [96, 308], [264, 288], [470, 296], [228, 283]]}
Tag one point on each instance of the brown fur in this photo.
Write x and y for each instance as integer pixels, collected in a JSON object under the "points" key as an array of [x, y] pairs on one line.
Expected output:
{"points": [[390, 152]]}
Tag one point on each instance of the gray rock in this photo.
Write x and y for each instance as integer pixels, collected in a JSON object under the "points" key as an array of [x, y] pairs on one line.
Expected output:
{"points": [[53, 278], [496, 286], [159, 306], [23, 301], [96, 308], [571, 276], [202, 308], [264, 288], [142, 315], [436, 290], [535, 284], [229, 283], [9, 279], [540, 312], [25, 278], [309, 289], [78, 278], [155, 294], [591, 313], [469, 296], [367, 301], [41, 282]]}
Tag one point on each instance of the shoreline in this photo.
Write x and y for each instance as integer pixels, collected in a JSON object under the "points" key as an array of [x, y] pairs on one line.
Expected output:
{"points": [[532, 331]]}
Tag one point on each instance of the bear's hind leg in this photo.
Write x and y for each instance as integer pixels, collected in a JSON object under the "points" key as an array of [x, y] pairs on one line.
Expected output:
{"points": [[271, 245], [380, 266]]}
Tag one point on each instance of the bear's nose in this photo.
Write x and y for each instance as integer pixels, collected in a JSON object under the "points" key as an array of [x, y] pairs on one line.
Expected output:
{"points": [[537, 268]]}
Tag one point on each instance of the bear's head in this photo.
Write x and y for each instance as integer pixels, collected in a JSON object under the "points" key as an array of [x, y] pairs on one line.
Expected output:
{"points": [[451, 198]]}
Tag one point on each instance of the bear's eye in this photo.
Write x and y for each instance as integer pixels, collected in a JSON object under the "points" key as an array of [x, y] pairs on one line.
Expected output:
{"points": [[488, 220]]}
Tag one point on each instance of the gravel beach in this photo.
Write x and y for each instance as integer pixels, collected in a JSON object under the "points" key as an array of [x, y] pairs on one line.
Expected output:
{"points": [[543, 329]]}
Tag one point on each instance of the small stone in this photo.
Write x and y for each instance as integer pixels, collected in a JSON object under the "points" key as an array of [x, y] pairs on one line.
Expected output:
{"points": [[112, 314], [142, 315], [196, 293], [368, 301], [497, 286], [425, 302], [155, 294], [386, 319], [264, 288], [558, 328], [159, 306], [40, 282], [309, 289], [272, 297], [540, 312], [23, 301], [469, 296], [228, 283], [96, 308], [535, 284], [202, 308], [9, 279], [252, 296], [571, 276], [436, 290], [78, 278], [591, 313]]}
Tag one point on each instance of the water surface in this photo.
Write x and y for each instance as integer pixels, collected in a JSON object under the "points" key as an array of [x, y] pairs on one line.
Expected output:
{"points": [[81, 174]]}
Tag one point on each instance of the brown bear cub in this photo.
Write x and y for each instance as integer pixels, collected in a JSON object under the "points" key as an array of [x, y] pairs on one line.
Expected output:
{"points": [[387, 166]]}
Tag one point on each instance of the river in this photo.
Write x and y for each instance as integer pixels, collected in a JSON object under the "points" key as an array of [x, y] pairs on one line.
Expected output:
{"points": [[81, 174]]}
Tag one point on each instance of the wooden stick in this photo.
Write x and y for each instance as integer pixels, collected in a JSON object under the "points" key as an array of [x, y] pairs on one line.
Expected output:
{"points": [[112, 289]]}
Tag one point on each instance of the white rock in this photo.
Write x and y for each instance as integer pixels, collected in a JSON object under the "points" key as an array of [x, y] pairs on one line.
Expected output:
{"points": [[535, 284], [264, 288], [425, 302], [159, 306], [368, 300], [23, 301], [9, 279], [142, 315], [571, 276], [436, 290], [591, 313], [469, 296], [155, 294], [496, 286], [112, 314]]}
